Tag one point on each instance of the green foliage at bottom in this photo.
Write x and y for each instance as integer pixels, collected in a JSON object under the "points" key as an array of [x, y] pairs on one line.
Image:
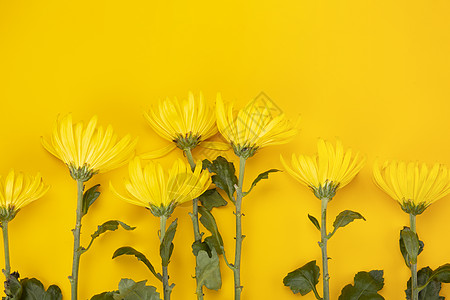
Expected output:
{"points": [[431, 289], [366, 287], [304, 279], [130, 290], [29, 289]]}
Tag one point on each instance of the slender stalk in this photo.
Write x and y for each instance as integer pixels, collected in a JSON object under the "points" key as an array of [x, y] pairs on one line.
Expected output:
{"points": [[239, 236], [6, 248], [195, 223], [166, 287], [414, 290], [76, 244], [323, 246]]}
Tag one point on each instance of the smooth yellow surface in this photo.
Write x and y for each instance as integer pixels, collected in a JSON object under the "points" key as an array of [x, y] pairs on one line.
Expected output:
{"points": [[373, 73]]}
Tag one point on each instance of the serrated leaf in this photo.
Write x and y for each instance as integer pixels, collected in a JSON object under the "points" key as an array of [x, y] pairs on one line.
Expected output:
{"points": [[366, 286], [33, 289], [212, 198], [104, 296], [89, 198], [207, 219], [431, 289], [111, 225], [166, 247], [201, 246], [141, 257], [314, 221], [225, 175], [208, 271], [304, 279], [345, 218], [264, 175], [130, 290], [13, 288], [411, 244]]}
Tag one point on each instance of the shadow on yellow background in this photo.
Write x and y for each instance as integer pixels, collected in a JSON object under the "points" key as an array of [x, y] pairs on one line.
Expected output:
{"points": [[373, 73]]}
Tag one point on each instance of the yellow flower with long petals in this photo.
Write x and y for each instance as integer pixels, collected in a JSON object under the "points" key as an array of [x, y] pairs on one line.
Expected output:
{"points": [[414, 186], [18, 190], [253, 127], [186, 124], [88, 150], [150, 187], [326, 172]]}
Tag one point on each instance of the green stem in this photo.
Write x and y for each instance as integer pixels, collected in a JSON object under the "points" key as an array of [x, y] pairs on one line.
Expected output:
{"points": [[76, 244], [7, 270], [414, 290], [239, 236], [166, 287], [195, 223], [323, 246]]}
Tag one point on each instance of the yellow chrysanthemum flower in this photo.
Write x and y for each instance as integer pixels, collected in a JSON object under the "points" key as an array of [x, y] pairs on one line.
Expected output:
{"points": [[186, 124], [414, 187], [326, 172], [253, 127], [90, 150], [150, 187], [18, 190]]}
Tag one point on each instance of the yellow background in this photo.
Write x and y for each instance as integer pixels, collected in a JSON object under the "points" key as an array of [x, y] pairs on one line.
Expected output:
{"points": [[373, 73]]}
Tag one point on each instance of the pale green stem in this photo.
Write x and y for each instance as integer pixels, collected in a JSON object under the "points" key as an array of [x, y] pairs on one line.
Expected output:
{"points": [[6, 248], [166, 286], [414, 290], [194, 217], [239, 236], [76, 244], [323, 246]]}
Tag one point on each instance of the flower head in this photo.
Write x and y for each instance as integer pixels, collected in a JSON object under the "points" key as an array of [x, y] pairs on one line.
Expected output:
{"points": [[414, 187], [150, 187], [185, 123], [88, 150], [326, 172], [16, 191], [253, 127]]}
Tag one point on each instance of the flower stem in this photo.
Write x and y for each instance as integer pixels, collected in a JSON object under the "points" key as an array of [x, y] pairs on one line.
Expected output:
{"points": [[76, 244], [414, 290], [166, 287], [239, 236], [323, 246], [7, 270], [194, 217]]}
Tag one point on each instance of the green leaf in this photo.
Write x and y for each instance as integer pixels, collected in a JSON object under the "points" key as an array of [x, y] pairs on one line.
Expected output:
{"points": [[13, 289], [366, 286], [208, 270], [264, 175], [405, 253], [345, 218], [33, 289], [314, 221], [212, 198], [89, 198], [411, 244], [111, 225], [130, 290], [304, 279], [141, 257], [209, 222], [442, 274], [201, 246], [166, 247], [225, 174], [430, 288], [104, 296]]}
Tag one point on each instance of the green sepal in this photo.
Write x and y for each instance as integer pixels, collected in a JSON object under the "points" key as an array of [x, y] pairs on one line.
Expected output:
{"points": [[212, 198], [141, 257], [366, 286], [201, 246], [111, 225], [325, 191], [208, 270], [314, 221], [343, 219], [429, 289], [304, 279], [225, 175], [166, 247], [264, 175], [33, 289], [89, 198], [411, 244], [207, 219]]}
